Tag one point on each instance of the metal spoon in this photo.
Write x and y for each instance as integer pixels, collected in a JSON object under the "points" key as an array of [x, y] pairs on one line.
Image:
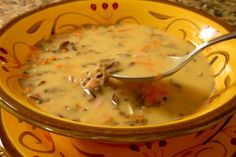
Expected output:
{"points": [[178, 61]]}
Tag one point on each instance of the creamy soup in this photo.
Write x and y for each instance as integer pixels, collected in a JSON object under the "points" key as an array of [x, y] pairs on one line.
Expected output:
{"points": [[68, 76]]}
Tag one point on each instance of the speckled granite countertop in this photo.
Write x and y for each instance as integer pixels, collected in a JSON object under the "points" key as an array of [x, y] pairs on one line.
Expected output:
{"points": [[223, 9]]}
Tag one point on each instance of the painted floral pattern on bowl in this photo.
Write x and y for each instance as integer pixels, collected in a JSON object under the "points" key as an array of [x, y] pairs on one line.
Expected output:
{"points": [[29, 141]]}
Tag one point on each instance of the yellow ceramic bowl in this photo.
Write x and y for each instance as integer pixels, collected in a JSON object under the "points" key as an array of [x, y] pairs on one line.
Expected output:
{"points": [[19, 36]]}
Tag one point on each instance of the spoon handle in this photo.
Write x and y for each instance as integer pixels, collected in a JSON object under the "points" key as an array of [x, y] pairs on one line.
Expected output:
{"points": [[211, 42]]}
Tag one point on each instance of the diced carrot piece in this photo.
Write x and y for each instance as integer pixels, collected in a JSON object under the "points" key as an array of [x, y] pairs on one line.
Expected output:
{"points": [[146, 48], [157, 43], [59, 66], [28, 90], [153, 92]]}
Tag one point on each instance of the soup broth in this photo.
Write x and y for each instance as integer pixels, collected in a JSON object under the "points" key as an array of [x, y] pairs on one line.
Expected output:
{"points": [[68, 76]]}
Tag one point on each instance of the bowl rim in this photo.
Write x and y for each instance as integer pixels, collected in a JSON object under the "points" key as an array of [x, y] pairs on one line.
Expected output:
{"points": [[113, 134]]}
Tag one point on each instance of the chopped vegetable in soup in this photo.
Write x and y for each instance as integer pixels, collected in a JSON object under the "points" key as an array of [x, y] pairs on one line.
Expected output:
{"points": [[68, 76]]}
